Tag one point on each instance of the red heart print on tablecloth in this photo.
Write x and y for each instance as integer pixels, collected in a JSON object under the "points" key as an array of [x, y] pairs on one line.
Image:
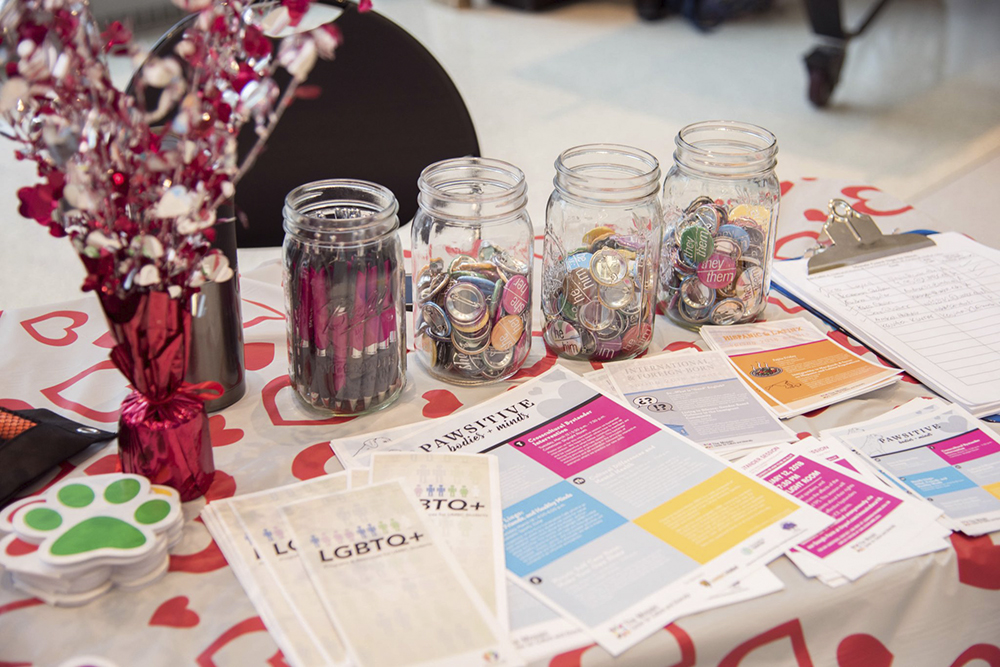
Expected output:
{"points": [[20, 604], [799, 248], [245, 627], [863, 650], [278, 660], [440, 403], [258, 356], [269, 397], [791, 630], [68, 334], [780, 303], [572, 658], [311, 461], [104, 465], [253, 321], [860, 204], [681, 345], [107, 341], [785, 187], [208, 559], [223, 486], [537, 368], [688, 658], [174, 613], [222, 436], [988, 653], [54, 394], [978, 561]]}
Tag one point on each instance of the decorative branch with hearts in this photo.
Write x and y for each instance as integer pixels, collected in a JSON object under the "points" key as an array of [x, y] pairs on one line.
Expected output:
{"points": [[136, 189]]}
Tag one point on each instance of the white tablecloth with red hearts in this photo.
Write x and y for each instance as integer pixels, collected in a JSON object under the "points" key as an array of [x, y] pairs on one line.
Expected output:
{"points": [[942, 609]]}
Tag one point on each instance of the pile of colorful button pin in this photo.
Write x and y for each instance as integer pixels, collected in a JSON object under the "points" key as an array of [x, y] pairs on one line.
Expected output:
{"points": [[713, 263], [473, 316], [86, 535], [598, 302]]}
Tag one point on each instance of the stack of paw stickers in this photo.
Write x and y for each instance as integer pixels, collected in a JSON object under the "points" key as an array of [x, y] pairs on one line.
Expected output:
{"points": [[87, 534]]}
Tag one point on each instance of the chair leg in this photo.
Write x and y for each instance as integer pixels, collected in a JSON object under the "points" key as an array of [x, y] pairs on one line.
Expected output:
{"points": [[824, 64]]}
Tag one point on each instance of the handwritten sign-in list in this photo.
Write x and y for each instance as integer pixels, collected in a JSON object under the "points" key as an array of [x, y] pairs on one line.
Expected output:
{"points": [[943, 305]]}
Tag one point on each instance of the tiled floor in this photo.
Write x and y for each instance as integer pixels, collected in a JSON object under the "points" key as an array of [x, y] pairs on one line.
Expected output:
{"points": [[917, 112]]}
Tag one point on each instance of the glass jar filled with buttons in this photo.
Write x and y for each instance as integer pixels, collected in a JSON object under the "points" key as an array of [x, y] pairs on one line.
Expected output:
{"points": [[603, 229], [472, 258], [720, 206]]}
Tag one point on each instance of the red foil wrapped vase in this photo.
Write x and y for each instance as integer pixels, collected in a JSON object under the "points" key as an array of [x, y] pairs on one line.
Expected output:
{"points": [[167, 442], [163, 428]]}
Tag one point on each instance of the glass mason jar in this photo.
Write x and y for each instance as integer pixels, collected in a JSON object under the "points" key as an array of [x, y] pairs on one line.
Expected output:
{"points": [[344, 296], [472, 258], [720, 206], [602, 246]]}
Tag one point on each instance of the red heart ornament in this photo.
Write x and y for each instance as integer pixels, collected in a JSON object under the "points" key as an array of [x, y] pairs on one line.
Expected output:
{"points": [[174, 613], [69, 335], [440, 403]]}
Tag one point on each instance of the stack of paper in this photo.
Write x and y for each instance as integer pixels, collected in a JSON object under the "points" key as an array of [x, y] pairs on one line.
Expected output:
{"points": [[267, 564], [794, 367], [615, 522], [938, 452], [873, 524], [934, 311], [335, 571], [87, 534], [699, 395]]}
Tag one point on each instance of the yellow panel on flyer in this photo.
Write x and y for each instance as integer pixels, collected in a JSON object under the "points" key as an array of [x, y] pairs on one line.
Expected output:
{"points": [[993, 489], [716, 515]]}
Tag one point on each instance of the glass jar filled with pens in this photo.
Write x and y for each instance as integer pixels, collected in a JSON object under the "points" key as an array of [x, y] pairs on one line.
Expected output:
{"points": [[472, 258], [602, 246], [344, 299], [720, 206]]}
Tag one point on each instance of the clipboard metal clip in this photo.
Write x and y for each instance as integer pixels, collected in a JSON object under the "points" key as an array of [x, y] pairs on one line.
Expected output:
{"points": [[856, 238]]}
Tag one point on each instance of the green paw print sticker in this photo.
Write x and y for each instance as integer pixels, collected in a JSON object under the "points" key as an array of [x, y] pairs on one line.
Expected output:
{"points": [[114, 515]]}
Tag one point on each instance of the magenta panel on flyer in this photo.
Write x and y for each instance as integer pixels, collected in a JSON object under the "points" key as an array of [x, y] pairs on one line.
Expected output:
{"points": [[856, 505], [966, 447], [600, 429]]}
